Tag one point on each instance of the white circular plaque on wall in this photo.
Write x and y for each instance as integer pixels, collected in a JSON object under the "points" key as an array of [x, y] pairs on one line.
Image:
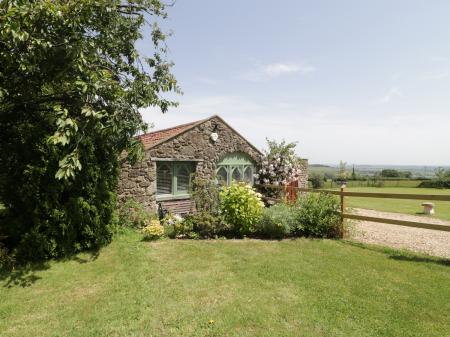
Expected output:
{"points": [[214, 136]]}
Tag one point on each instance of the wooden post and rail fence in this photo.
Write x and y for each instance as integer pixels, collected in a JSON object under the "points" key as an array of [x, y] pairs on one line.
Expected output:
{"points": [[343, 194]]}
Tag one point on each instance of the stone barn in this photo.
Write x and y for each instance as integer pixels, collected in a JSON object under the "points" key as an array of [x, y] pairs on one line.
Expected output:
{"points": [[209, 147]]}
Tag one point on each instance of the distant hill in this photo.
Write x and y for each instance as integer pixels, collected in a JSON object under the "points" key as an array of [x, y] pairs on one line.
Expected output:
{"points": [[319, 165], [426, 171]]}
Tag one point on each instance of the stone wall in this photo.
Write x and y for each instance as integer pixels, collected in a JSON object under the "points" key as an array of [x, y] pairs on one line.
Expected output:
{"points": [[139, 181], [303, 179]]}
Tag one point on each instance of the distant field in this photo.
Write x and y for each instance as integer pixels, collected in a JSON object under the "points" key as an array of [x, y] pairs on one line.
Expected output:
{"points": [[386, 183], [399, 206]]}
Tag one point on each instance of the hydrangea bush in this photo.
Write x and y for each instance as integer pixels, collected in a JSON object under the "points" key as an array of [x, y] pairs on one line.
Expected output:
{"points": [[240, 207]]}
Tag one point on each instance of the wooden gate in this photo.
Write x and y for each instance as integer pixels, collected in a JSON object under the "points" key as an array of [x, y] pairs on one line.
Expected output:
{"points": [[291, 191]]}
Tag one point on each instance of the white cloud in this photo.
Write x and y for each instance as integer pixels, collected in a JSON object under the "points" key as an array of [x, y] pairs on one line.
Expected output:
{"points": [[390, 95], [273, 70], [277, 69]]}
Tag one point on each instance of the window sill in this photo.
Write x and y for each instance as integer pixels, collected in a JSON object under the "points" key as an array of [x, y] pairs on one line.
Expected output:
{"points": [[167, 197]]}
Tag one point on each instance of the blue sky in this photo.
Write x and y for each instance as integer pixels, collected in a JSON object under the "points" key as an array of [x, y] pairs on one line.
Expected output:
{"points": [[363, 81]]}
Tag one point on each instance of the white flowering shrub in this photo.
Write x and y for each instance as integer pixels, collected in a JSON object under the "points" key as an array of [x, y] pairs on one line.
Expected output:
{"points": [[279, 166]]}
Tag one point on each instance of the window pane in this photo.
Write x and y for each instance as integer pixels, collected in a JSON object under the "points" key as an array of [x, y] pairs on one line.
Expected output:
{"points": [[236, 176], [163, 178], [222, 176], [248, 174], [183, 179]]}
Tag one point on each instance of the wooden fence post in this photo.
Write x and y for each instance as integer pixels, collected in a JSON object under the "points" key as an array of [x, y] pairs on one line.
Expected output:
{"points": [[341, 234]]}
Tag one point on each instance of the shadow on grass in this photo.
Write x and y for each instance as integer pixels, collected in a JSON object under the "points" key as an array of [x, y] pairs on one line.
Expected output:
{"points": [[92, 256], [400, 255], [25, 275]]}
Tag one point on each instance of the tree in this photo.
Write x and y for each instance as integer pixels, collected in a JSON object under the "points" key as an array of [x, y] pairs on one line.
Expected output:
{"points": [[441, 173], [390, 173], [71, 86], [343, 174]]}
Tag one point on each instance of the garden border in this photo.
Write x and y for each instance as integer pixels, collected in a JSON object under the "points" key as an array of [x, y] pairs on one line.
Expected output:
{"points": [[342, 194]]}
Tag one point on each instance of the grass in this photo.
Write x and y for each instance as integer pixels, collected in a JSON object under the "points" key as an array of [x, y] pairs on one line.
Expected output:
{"points": [[230, 288], [414, 207], [386, 183]]}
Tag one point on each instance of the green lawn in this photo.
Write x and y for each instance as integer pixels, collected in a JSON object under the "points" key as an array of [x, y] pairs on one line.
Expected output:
{"points": [[230, 288], [399, 206]]}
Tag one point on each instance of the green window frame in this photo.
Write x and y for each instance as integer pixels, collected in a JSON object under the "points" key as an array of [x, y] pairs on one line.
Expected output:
{"points": [[173, 178], [235, 167]]}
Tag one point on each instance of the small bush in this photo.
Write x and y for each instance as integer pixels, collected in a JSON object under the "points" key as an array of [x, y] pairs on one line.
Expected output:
{"points": [[206, 225], [133, 214], [240, 207], [318, 215], [317, 180], [205, 194], [176, 227], [153, 231], [276, 222], [435, 183]]}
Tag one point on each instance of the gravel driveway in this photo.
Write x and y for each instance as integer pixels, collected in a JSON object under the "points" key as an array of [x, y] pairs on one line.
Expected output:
{"points": [[421, 240]]}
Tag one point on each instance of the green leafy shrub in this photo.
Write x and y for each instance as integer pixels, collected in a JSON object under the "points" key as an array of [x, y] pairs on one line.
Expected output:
{"points": [[153, 231], [317, 180], [205, 194], [240, 207], [435, 183], [133, 214], [176, 227], [317, 215], [276, 222], [206, 225]]}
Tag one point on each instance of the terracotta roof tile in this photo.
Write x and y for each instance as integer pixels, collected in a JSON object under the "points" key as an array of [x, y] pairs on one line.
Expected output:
{"points": [[152, 138]]}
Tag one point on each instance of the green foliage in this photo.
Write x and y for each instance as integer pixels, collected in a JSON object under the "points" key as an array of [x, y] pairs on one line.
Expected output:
{"points": [[153, 230], [317, 180], [206, 225], [205, 194], [441, 180], [435, 183], [176, 227], [343, 174], [391, 173], [276, 222], [71, 86], [441, 173], [318, 215], [133, 214], [240, 207]]}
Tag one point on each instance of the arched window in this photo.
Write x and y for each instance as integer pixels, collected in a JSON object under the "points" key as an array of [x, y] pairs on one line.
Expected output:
{"points": [[235, 167], [222, 176], [248, 174], [236, 175]]}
